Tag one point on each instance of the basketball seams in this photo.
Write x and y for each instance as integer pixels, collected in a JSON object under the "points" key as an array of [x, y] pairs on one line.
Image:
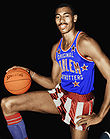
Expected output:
{"points": [[21, 88], [13, 77], [17, 80]]}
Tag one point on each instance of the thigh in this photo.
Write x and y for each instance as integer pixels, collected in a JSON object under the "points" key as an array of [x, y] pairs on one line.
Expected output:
{"points": [[38, 101], [77, 134]]}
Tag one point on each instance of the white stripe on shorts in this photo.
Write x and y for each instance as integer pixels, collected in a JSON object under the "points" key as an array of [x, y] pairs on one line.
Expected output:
{"points": [[58, 101], [52, 91], [67, 106], [79, 111]]}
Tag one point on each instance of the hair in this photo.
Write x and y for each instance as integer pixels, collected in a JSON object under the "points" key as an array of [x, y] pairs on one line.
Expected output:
{"points": [[66, 5]]}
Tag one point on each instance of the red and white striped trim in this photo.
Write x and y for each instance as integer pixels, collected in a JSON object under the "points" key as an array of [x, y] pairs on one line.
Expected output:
{"points": [[14, 119]]}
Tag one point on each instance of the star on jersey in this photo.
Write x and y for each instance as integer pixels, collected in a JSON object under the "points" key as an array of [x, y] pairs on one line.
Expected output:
{"points": [[73, 48], [58, 51], [76, 84], [84, 67]]}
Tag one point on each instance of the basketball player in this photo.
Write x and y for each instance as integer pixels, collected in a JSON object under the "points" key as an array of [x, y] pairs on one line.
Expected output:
{"points": [[70, 86]]}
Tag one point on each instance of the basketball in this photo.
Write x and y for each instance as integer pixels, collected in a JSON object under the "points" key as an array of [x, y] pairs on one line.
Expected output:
{"points": [[17, 81]]}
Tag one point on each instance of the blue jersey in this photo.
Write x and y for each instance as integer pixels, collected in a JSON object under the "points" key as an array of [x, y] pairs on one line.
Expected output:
{"points": [[77, 71]]}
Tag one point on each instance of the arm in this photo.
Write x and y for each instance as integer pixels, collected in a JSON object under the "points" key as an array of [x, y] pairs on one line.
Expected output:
{"points": [[89, 47], [49, 82]]}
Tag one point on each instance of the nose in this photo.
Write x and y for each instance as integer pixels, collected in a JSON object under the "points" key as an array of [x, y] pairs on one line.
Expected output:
{"points": [[62, 20]]}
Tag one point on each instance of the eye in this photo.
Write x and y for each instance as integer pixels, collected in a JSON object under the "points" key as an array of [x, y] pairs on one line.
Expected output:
{"points": [[57, 17], [66, 15]]}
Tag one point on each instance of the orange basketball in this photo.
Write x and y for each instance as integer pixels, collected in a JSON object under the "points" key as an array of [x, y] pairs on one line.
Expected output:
{"points": [[17, 81]]}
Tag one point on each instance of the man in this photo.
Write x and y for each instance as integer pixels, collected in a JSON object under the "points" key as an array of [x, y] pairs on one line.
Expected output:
{"points": [[74, 57]]}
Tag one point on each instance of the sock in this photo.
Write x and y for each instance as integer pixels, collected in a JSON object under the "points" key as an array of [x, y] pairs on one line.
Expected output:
{"points": [[16, 126]]}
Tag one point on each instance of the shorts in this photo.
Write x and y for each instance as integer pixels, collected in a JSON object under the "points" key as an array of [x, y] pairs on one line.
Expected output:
{"points": [[70, 105]]}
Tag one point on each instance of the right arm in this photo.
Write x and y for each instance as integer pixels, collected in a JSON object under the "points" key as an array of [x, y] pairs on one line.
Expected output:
{"points": [[49, 82]]}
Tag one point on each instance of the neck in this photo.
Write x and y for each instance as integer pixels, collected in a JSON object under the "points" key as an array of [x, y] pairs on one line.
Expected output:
{"points": [[68, 38]]}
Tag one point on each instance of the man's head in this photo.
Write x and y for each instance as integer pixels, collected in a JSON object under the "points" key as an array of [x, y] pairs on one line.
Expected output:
{"points": [[65, 17]]}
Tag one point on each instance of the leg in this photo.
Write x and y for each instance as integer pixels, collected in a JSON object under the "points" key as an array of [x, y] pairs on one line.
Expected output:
{"points": [[35, 101], [39, 101], [77, 134]]}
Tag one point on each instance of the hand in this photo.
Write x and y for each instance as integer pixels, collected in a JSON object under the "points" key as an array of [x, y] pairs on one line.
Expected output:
{"points": [[18, 67], [89, 120]]}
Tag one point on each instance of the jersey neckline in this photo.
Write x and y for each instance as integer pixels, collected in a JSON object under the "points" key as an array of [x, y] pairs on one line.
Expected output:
{"points": [[70, 44]]}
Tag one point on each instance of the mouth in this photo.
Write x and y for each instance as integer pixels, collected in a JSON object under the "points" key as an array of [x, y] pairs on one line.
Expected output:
{"points": [[62, 26]]}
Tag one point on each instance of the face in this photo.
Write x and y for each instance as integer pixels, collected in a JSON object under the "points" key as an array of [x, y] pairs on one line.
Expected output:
{"points": [[65, 20]]}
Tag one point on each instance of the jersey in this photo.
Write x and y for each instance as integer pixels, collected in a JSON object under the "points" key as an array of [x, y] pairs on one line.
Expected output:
{"points": [[77, 71]]}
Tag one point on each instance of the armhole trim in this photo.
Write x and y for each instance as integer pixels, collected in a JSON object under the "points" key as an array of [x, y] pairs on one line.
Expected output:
{"points": [[79, 51], [57, 47]]}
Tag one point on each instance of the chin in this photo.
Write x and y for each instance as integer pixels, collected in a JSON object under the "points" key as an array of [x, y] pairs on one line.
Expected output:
{"points": [[65, 31]]}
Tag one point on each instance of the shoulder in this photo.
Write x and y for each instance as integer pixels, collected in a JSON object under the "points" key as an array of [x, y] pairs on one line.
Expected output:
{"points": [[84, 39], [88, 46], [53, 52]]}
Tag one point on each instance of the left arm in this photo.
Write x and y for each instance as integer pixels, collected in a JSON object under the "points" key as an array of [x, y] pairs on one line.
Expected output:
{"points": [[90, 48]]}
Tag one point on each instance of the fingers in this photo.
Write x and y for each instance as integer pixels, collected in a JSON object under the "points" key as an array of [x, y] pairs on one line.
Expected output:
{"points": [[81, 116], [83, 120], [10, 68], [86, 119], [17, 67]]}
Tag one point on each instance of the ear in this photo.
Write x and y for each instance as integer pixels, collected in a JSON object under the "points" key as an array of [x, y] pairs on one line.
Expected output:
{"points": [[75, 17]]}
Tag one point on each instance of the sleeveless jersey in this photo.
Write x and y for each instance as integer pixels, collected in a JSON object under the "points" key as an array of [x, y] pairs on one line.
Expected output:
{"points": [[77, 71]]}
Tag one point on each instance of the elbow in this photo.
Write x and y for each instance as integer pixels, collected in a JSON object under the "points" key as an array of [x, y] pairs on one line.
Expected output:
{"points": [[107, 76], [53, 85], [108, 79]]}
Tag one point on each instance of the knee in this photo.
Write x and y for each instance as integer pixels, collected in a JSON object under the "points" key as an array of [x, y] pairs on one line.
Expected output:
{"points": [[3, 102], [6, 105]]}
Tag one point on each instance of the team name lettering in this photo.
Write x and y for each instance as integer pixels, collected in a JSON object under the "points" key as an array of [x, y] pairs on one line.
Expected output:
{"points": [[70, 66], [65, 55], [72, 77]]}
